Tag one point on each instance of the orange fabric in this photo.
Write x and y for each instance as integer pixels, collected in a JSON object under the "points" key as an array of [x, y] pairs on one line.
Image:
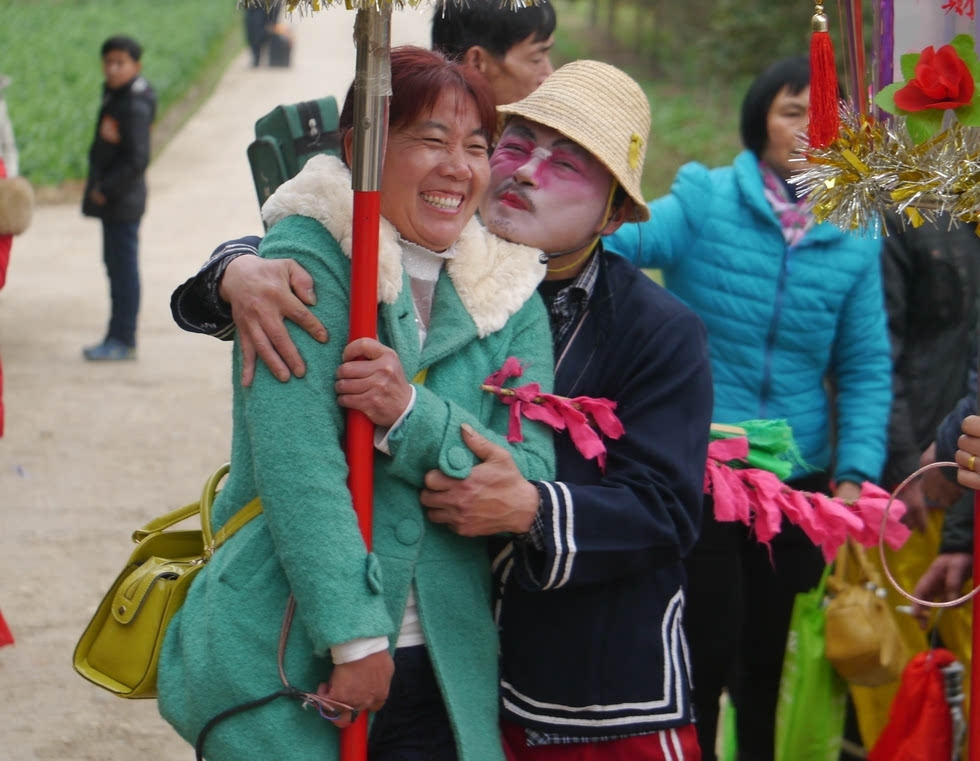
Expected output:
{"points": [[919, 724]]}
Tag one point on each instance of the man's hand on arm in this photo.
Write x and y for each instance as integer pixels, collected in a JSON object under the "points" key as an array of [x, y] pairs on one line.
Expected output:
{"points": [[495, 498], [263, 293]]}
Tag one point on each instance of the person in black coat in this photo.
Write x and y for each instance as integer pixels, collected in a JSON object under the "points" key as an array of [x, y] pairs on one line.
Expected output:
{"points": [[945, 577], [116, 188], [932, 278]]}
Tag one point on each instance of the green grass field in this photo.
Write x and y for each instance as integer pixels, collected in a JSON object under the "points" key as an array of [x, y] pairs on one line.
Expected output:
{"points": [[51, 50]]}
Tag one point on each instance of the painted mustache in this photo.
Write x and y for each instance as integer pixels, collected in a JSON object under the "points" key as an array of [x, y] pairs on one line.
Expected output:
{"points": [[516, 194]]}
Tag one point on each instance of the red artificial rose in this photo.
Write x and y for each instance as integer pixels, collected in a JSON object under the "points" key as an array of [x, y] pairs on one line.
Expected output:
{"points": [[942, 80]]}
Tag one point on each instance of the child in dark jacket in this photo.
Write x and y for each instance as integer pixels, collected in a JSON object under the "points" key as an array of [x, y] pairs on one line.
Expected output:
{"points": [[116, 187]]}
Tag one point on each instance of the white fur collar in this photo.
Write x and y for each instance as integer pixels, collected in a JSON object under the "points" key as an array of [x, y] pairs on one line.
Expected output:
{"points": [[493, 278]]}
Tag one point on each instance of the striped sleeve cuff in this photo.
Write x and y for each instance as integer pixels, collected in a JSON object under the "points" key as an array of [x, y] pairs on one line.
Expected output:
{"points": [[196, 305], [553, 534]]}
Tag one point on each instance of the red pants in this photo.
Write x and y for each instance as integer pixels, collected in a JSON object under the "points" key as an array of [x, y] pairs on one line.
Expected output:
{"points": [[679, 744]]}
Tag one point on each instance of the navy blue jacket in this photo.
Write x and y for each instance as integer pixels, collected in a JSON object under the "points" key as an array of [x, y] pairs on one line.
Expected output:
{"points": [[591, 628]]}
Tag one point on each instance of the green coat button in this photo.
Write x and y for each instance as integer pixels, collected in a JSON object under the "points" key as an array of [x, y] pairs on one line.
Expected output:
{"points": [[408, 531], [459, 458]]}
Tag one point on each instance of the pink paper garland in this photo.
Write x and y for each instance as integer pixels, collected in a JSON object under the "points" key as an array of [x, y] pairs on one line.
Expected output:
{"points": [[759, 499], [753, 496], [586, 419]]}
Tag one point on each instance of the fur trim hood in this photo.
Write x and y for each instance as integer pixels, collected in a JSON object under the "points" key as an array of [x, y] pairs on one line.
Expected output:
{"points": [[493, 277]]}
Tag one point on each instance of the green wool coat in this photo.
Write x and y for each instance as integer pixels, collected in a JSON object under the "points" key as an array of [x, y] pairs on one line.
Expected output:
{"points": [[220, 649]]}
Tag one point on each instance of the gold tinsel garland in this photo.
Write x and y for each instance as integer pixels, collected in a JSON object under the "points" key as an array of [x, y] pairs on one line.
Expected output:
{"points": [[305, 6], [873, 168]]}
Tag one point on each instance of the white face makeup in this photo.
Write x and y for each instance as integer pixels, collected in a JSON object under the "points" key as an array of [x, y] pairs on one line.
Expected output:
{"points": [[546, 191]]}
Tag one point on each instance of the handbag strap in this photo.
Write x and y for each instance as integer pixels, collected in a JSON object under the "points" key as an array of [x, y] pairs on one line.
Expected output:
{"points": [[203, 507], [208, 494], [851, 550], [331, 710], [166, 521], [821, 587], [236, 522]]}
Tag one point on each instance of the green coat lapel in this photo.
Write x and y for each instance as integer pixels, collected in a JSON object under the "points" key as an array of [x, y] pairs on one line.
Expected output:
{"points": [[398, 323], [450, 327]]}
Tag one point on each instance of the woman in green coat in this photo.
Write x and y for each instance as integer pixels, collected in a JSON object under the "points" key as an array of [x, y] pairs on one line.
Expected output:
{"points": [[454, 303]]}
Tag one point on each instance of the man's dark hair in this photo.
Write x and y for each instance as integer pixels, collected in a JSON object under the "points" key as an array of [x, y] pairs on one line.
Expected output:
{"points": [[456, 28], [124, 43], [791, 73]]}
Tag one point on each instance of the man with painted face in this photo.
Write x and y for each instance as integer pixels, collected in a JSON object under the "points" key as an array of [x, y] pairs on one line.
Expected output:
{"points": [[589, 569]]}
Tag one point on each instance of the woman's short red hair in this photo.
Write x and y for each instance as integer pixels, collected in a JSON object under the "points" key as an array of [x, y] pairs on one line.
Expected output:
{"points": [[418, 78]]}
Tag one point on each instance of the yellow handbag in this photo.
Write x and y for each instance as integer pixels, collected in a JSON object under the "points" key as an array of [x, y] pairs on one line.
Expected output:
{"points": [[863, 641], [120, 647]]}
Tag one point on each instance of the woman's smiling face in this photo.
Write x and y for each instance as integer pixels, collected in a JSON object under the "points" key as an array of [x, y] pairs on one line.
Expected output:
{"points": [[435, 173]]}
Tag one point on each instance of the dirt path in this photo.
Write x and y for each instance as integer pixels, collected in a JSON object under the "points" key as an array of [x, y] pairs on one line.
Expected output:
{"points": [[93, 451]]}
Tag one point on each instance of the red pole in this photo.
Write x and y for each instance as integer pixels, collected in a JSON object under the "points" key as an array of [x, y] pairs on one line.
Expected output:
{"points": [[372, 83], [360, 430]]}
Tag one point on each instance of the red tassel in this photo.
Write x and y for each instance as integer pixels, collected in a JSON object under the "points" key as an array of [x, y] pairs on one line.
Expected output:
{"points": [[824, 115]]}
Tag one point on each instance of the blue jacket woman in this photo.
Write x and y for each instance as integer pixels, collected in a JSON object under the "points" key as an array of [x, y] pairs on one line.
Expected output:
{"points": [[780, 318], [788, 304]]}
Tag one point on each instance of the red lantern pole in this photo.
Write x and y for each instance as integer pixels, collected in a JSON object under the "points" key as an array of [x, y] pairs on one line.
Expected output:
{"points": [[372, 86]]}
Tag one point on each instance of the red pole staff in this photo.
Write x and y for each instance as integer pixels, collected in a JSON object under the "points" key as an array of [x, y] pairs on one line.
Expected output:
{"points": [[372, 85]]}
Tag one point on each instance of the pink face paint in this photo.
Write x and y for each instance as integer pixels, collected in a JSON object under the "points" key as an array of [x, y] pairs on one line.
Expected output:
{"points": [[544, 191], [538, 164]]}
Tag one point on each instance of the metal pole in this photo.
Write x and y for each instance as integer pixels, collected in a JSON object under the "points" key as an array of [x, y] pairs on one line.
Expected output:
{"points": [[372, 86]]}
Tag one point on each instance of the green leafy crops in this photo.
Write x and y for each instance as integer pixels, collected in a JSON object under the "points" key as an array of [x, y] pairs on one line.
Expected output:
{"points": [[51, 50]]}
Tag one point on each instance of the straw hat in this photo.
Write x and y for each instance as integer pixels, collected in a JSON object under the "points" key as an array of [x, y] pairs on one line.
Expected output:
{"points": [[603, 110]]}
